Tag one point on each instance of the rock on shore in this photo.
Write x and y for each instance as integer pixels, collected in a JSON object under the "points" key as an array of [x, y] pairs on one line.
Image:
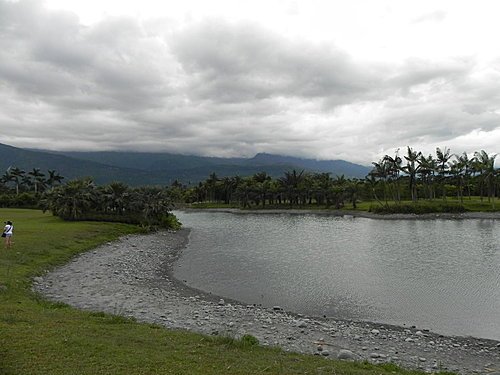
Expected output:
{"points": [[133, 277]]}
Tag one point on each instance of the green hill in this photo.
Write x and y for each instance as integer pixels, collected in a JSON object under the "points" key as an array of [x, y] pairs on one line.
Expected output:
{"points": [[139, 168]]}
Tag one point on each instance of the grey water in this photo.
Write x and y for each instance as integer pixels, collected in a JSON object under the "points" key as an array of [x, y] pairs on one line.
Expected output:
{"points": [[442, 275]]}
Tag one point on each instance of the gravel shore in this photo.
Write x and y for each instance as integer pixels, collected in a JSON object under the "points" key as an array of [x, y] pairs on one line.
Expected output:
{"points": [[133, 277]]}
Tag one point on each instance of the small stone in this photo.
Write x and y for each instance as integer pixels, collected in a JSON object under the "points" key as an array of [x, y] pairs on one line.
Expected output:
{"points": [[409, 339], [325, 353], [346, 355], [374, 355], [375, 331], [301, 324], [422, 359]]}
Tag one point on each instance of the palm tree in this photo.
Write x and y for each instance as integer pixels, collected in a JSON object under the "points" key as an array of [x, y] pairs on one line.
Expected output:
{"points": [[155, 204], [322, 183], [457, 170], [16, 176], [115, 198], [262, 186], [339, 190], [411, 169], [290, 184], [211, 185], [54, 178], [380, 172], [38, 180], [442, 161], [427, 169], [352, 189], [393, 169], [71, 201], [486, 164], [467, 165]]}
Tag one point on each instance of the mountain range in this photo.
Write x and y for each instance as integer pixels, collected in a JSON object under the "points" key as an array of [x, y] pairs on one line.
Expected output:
{"points": [[144, 168]]}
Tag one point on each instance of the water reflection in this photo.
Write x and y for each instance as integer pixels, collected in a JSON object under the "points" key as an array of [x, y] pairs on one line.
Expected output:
{"points": [[436, 274]]}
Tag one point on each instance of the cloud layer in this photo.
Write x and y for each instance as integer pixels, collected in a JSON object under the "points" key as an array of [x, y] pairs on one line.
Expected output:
{"points": [[220, 87]]}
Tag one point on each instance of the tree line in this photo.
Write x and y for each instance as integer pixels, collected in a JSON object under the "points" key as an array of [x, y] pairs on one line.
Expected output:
{"points": [[392, 180], [82, 199]]}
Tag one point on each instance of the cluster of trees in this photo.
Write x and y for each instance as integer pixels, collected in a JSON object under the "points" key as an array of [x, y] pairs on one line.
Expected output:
{"points": [[394, 178], [295, 188], [428, 177], [32, 181], [82, 199], [19, 188]]}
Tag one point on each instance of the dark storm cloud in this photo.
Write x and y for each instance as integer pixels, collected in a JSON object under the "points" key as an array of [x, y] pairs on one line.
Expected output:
{"points": [[221, 88]]}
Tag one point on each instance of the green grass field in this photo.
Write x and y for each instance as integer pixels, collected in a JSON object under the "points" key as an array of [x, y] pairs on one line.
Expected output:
{"points": [[40, 337]]}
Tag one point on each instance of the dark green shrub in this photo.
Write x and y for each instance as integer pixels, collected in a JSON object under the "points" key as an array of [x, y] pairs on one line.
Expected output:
{"points": [[170, 221]]}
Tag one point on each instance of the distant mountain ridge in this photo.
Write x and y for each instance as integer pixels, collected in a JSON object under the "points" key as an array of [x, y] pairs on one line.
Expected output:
{"points": [[142, 168]]}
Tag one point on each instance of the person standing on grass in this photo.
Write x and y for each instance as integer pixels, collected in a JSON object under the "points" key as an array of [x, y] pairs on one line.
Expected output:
{"points": [[8, 230]]}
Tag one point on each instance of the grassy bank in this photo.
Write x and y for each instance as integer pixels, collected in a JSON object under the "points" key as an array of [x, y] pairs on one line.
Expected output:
{"points": [[40, 337], [438, 205]]}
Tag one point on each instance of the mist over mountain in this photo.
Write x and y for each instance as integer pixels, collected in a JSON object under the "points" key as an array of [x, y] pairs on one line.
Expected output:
{"points": [[142, 168]]}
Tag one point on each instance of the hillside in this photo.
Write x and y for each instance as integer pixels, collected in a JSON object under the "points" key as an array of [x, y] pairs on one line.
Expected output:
{"points": [[139, 168]]}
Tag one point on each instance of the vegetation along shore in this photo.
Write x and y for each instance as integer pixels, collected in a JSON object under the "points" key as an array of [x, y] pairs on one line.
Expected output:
{"points": [[56, 220], [41, 337]]}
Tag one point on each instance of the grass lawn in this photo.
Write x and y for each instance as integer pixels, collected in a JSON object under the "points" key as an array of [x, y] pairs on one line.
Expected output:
{"points": [[40, 337]]}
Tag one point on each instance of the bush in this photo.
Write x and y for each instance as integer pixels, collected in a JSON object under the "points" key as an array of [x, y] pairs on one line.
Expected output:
{"points": [[170, 221]]}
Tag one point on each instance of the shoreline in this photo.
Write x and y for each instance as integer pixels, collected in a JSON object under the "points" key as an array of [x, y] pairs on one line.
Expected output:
{"points": [[352, 213], [133, 277]]}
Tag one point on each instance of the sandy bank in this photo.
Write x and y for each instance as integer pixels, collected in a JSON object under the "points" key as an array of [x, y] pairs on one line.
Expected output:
{"points": [[133, 277]]}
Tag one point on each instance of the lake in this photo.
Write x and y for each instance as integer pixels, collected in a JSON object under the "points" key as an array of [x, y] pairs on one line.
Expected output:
{"points": [[442, 275]]}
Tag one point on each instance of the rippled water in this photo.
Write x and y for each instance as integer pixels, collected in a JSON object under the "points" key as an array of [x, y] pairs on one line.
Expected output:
{"points": [[443, 275]]}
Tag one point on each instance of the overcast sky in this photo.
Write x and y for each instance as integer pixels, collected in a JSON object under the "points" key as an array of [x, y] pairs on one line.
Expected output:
{"points": [[349, 80]]}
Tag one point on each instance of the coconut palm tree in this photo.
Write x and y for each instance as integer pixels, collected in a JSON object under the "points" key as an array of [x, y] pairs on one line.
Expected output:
{"points": [[54, 178], [380, 173], [466, 166], [16, 176], [291, 183], [393, 170], [486, 165], [261, 186], [427, 170], [411, 169], [442, 161], [37, 179]]}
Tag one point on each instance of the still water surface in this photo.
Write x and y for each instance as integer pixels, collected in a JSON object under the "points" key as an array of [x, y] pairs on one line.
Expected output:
{"points": [[442, 275]]}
